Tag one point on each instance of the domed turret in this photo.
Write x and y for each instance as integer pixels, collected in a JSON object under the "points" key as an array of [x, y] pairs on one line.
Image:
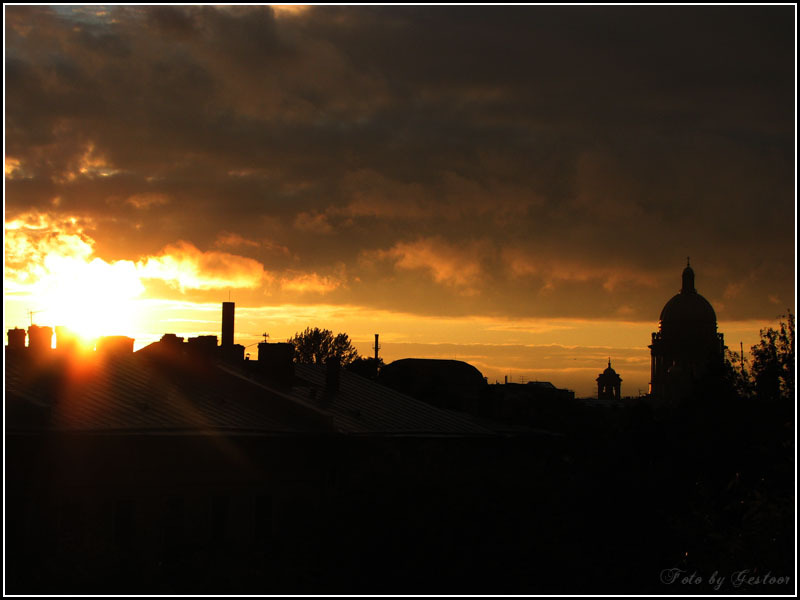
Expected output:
{"points": [[609, 384], [609, 371]]}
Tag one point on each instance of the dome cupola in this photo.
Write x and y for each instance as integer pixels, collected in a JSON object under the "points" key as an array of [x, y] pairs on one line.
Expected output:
{"points": [[688, 307]]}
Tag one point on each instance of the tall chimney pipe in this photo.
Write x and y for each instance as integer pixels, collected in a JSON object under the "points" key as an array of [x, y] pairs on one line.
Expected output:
{"points": [[228, 309], [40, 339], [376, 347]]}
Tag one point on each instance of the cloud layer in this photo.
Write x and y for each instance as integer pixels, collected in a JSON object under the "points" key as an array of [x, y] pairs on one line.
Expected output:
{"points": [[508, 161]]}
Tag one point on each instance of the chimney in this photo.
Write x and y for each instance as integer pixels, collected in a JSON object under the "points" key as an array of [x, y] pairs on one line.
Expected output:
{"points": [[377, 347], [66, 340], [16, 339], [115, 345], [202, 346], [228, 309], [171, 340], [276, 363], [332, 375], [40, 339]]}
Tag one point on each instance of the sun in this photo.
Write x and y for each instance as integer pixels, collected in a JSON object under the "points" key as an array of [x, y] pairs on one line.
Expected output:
{"points": [[91, 298]]}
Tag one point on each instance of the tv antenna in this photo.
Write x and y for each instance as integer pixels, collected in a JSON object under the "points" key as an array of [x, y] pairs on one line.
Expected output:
{"points": [[31, 313], [265, 335]]}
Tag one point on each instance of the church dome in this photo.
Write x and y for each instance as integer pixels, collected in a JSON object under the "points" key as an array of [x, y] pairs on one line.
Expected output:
{"points": [[609, 374], [688, 307], [609, 370]]}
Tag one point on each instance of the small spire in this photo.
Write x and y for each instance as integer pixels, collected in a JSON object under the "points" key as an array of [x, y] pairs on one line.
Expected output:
{"points": [[609, 362], [687, 279]]}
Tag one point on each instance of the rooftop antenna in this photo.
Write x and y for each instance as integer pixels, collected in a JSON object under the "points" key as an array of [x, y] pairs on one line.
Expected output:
{"points": [[265, 335], [31, 313]]}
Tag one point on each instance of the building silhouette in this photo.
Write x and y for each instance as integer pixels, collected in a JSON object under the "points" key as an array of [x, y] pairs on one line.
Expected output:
{"points": [[183, 468], [443, 383], [175, 468], [687, 349], [609, 384]]}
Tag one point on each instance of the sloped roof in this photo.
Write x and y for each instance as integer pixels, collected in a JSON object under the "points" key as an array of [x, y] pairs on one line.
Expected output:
{"points": [[135, 393], [362, 406], [163, 392]]}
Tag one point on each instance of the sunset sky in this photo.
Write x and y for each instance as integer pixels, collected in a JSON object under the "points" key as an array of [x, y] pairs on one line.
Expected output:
{"points": [[516, 187]]}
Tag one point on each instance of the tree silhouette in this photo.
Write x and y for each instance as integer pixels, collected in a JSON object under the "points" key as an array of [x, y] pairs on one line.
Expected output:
{"points": [[366, 367], [773, 361], [316, 346], [738, 375]]}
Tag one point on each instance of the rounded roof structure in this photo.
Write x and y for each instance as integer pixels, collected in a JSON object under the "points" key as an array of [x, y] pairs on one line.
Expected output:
{"points": [[688, 306], [454, 372], [609, 373]]}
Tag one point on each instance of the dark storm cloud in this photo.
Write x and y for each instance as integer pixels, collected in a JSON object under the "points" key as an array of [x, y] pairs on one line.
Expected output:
{"points": [[511, 160]]}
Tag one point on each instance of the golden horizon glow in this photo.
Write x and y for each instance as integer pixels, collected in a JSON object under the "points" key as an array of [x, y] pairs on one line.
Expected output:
{"points": [[52, 271], [568, 352]]}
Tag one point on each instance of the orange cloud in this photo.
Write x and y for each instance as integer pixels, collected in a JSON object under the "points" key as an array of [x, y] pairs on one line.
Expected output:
{"points": [[313, 222], [14, 169], [553, 271], [373, 195], [92, 164], [289, 10], [458, 266], [33, 237], [185, 266], [145, 201], [234, 240], [310, 282]]}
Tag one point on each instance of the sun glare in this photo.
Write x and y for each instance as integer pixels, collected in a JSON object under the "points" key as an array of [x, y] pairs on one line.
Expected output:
{"points": [[89, 298]]}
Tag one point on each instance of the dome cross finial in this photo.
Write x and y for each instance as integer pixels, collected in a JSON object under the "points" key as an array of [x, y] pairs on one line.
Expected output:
{"points": [[687, 279]]}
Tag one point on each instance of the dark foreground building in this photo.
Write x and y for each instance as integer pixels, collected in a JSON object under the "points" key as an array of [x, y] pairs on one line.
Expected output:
{"points": [[174, 470]]}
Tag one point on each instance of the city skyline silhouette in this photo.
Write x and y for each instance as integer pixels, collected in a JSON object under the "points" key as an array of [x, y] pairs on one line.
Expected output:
{"points": [[492, 206], [521, 202]]}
